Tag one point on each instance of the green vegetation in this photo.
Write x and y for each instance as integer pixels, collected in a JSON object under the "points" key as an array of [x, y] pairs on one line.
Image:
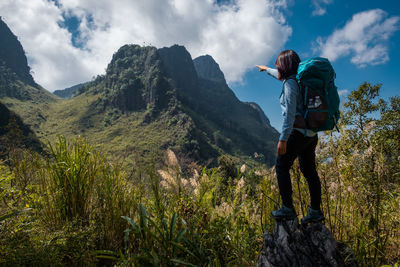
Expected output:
{"points": [[139, 108], [363, 176], [74, 207], [114, 198], [14, 134]]}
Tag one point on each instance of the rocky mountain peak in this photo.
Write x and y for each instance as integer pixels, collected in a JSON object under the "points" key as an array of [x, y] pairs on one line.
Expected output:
{"points": [[12, 56], [178, 65], [134, 80], [208, 69], [132, 58]]}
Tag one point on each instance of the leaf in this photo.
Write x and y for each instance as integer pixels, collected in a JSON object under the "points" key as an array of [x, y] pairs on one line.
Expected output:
{"points": [[172, 225], [180, 235], [164, 224], [156, 260], [182, 262], [126, 238], [15, 213], [156, 227], [180, 246], [184, 222], [131, 222], [143, 216], [106, 254]]}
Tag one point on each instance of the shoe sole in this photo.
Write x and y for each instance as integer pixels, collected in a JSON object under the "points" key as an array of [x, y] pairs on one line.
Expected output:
{"points": [[280, 218]]}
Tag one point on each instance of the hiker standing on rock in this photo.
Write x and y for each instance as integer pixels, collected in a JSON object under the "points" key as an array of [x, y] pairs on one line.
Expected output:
{"points": [[294, 141]]}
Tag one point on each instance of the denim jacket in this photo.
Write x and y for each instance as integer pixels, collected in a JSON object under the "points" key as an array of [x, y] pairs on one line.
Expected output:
{"points": [[291, 105]]}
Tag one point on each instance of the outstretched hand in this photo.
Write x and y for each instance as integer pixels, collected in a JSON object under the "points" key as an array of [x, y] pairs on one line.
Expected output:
{"points": [[262, 67]]}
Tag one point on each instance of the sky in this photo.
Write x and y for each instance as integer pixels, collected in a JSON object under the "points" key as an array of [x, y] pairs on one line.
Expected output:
{"points": [[71, 41]]}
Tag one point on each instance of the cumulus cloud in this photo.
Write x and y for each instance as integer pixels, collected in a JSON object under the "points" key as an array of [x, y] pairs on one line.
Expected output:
{"points": [[343, 92], [364, 38], [320, 7], [238, 34]]}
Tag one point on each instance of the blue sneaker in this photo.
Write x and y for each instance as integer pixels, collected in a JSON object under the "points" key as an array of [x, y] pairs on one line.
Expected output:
{"points": [[313, 216], [284, 213]]}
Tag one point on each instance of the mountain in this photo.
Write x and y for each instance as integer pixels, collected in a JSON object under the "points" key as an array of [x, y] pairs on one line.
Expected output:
{"points": [[207, 68], [152, 99], [12, 57], [261, 114], [14, 134], [148, 100], [18, 90], [69, 92]]}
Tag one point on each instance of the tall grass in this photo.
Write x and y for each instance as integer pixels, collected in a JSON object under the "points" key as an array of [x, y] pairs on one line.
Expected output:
{"points": [[78, 185], [361, 201], [85, 209], [68, 180]]}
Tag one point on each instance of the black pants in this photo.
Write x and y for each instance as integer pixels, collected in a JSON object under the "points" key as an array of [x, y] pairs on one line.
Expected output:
{"points": [[303, 147]]}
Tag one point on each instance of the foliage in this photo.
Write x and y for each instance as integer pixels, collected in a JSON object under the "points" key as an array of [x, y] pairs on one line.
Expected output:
{"points": [[73, 207], [75, 200], [360, 176], [68, 181], [138, 108]]}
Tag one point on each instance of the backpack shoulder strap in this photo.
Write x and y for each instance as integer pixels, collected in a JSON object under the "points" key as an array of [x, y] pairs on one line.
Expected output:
{"points": [[303, 95]]}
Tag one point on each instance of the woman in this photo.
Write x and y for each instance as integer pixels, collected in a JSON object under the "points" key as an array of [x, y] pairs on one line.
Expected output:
{"points": [[294, 141]]}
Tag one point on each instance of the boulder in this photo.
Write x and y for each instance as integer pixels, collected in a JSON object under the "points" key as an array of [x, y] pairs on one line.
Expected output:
{"points": [[292, 244]]}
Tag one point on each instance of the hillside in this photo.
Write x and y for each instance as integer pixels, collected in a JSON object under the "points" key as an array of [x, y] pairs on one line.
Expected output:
{"points": [[68, 92], [14, 134], [148, 100], [156, 162], [12, 57], [152, 99], [18, 90]]}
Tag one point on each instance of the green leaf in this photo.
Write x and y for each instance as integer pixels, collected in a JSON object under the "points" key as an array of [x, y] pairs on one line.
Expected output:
{"points": [[172, 225], [165, 226], [181, 247], [131, 222], [106, 254], [180, 235], [143, 216], [182, 262], [15, 213]]}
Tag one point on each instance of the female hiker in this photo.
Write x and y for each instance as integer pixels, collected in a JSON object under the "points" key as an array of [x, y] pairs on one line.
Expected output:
{"points": [[294, 141]]}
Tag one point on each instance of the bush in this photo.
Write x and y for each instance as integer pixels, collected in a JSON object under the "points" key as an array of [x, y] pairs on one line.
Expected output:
{"points": [[73, 207]]}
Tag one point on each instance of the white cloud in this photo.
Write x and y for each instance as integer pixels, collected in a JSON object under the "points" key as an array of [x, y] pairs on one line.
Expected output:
{"points": [[238, 35], [343, 92], [364, 38], [320, 7]]}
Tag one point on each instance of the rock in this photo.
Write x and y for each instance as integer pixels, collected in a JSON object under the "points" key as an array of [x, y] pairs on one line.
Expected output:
{"points": [[292, 244], [12, 56], [208, 69]]}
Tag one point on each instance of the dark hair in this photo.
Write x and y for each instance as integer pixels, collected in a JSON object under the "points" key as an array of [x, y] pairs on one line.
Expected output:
{"points": [[287, 63]]}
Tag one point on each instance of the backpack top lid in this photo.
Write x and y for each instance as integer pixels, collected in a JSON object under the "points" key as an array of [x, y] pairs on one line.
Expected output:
{"points": [[315, 72]]}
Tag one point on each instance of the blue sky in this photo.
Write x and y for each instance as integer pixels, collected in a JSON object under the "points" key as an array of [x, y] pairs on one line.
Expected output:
{"points": [[264, 90], [68, 42]]}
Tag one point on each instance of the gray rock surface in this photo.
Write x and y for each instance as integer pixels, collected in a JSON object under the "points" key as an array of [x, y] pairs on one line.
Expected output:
{"points": [[208, 69], [292, 244]]}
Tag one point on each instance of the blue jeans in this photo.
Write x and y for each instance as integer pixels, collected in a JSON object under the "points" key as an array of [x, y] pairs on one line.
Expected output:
{"points": [[303, 147]]}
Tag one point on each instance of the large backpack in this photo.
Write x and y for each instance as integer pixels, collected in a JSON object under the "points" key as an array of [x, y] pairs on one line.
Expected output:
{"points": [[315, 77]]}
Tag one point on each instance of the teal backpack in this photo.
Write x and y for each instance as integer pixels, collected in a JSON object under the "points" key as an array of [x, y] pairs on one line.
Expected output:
{"points": [[315, 77]]}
